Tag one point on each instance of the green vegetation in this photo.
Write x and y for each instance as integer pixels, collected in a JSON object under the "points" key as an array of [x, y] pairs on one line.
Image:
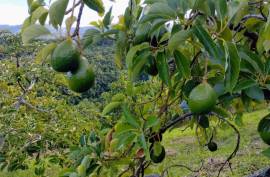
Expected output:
{"points": [[172, 83], [183, 149]]}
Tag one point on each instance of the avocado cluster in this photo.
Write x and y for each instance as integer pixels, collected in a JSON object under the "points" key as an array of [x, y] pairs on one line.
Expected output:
{"points": [[66, 58]]}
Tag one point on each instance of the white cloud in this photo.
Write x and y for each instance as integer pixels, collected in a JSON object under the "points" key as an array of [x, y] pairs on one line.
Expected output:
{"points": [[13, 13]]}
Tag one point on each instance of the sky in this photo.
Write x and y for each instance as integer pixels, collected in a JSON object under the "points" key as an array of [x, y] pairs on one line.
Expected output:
{"points": [[13, 12]]}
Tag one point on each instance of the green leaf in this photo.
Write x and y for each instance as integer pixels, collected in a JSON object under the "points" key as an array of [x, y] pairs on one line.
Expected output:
{"points": [[142, 32], [255, 92], [239, 119], [38, 13], [91, 36], [33, 32], [143, 144], [122, 128], [26, 23], [86, 161], [253, 59], [178, 39], [202, 6], [34, 5], [222, 112], [154, 1], [163, 68], [159, 10], [266, 152], [208, 43], [45, 52], [138, 65], [120, 49], [233, 67], [132, 52], [119, 97], [244, 84], [133, 121], [108, 108], [96, 5], [182, 63], [222, 9], [107, 18], [157, 24], [151, 122], [57, 12], [125, 140], [127, 17], [69, 22], [29, 2]]}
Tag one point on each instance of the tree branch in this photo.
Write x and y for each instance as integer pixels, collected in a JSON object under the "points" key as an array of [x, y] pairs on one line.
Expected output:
{"points": [[71, 9], [182, 166], [249, 16], [77, 29], [175, 121]]}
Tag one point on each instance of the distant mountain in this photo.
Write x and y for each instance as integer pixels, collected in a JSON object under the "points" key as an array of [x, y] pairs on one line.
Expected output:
{"points": [[16, 29], [12, 28]]}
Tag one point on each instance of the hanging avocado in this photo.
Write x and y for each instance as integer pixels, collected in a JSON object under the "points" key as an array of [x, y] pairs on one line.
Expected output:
{"points": [[83, 78], [264, 129], [157, 152], [202, 98], [65, 57]]}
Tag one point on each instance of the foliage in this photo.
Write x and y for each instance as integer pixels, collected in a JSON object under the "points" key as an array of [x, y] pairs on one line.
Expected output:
{"points": [[40, 123], [222, 43], [11, 45]]}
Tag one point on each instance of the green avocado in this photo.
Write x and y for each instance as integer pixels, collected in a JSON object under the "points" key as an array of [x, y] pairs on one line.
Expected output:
{"points": [[157, 152], [203, 121], [65, 57], [202, 98], [264, 129], [212, 146], [82, 79], [142, 33], [151, 66]]}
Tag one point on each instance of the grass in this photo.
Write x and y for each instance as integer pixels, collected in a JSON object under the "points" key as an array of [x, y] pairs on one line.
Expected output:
{"points": [[183, 148]]}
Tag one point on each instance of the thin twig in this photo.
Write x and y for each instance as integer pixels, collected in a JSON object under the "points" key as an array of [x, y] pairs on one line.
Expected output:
{"points": [[77, 29], [195, 58], [21, 86], [182, 166], [70, 10], [124, 171], [233, 154], [23, 101]]}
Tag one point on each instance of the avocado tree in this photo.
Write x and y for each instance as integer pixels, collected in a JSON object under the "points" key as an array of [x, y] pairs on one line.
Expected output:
{"points": [[211, 54]]}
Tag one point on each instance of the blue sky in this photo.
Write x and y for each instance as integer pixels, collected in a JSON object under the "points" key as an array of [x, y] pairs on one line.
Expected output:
{"points": [[13, 12]]}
